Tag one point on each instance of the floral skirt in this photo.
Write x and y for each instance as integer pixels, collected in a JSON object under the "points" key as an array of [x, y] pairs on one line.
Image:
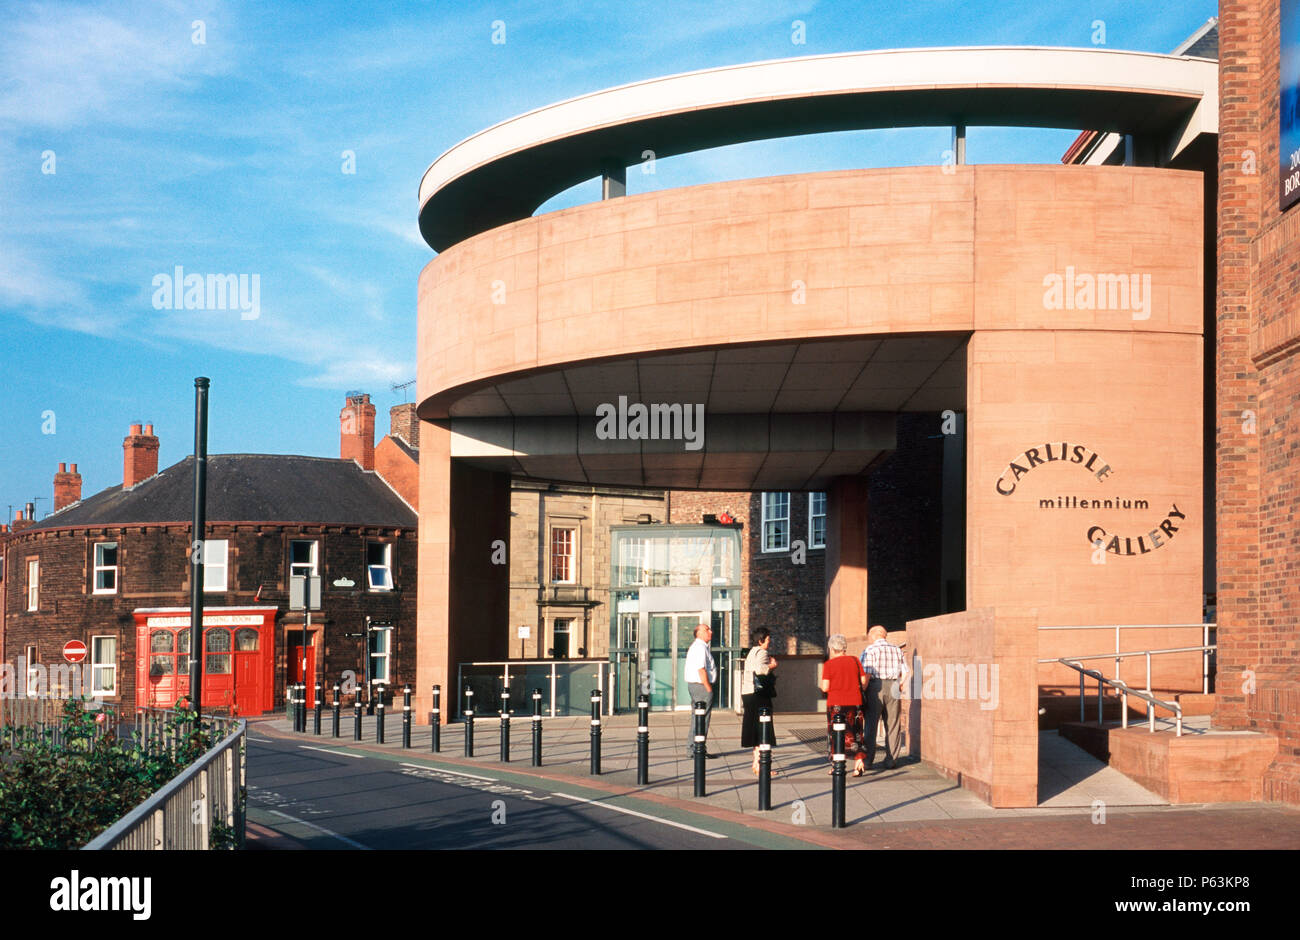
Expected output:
{"points": [[853, 743]]}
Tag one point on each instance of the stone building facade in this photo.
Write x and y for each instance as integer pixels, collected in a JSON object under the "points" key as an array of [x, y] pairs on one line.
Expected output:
{"points": [[560, 565]]}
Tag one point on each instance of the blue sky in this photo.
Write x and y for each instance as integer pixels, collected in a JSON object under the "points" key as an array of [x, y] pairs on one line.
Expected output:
{"points": [[226, 156]]}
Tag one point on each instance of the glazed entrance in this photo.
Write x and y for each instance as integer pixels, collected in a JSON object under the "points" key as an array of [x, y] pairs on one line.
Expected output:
{"points": [[666, 581]]}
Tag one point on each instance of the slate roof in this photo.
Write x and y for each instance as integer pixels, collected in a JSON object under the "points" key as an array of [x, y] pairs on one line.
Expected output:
{"points": [[247, 488], [1204, 43], [406, 448]]}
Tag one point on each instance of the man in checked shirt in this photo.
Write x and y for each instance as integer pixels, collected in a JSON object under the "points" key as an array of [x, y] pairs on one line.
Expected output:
{"points": [[884, 663]]}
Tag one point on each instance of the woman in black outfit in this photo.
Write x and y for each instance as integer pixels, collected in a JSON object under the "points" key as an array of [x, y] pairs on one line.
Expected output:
{"points": [[758, 663]]}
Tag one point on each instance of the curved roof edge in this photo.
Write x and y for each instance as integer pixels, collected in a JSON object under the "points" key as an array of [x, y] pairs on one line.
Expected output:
{"points": [[503, 173]]}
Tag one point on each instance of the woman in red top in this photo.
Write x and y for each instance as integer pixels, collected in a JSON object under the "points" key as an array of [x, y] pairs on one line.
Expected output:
{"points": [[843, 681]]}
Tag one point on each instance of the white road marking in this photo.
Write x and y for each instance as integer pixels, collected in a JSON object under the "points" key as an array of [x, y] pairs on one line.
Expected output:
{"points": [[454, 773], [322, 829], [632, 812], [325, 750]]}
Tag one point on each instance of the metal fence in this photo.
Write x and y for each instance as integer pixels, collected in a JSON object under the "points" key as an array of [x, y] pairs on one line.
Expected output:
{"points": [[208, 796], [155, 729]]}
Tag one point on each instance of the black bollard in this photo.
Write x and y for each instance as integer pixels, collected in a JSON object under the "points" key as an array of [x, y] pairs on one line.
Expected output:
{"points": [[701, 709], [837, 770], [300, 714], [642, 740], [595, 732], [505, 726], [337, 706], [764, 758], [320, 703], [356, 725], [406, 715], [435, 721], [537, 727], [379, 715], [469, 721]]}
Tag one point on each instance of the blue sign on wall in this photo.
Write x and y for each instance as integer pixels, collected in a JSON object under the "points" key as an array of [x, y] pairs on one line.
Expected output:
{"points": [[1289, 104]]}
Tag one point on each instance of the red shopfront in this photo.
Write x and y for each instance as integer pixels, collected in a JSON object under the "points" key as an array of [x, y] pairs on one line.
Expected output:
{"points": [[239, 646]]}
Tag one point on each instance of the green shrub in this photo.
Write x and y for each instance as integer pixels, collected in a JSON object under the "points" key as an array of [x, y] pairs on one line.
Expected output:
{"points": [[60, 795]]}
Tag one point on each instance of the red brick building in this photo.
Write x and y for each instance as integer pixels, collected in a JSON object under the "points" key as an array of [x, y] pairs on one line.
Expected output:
{"points": [[1257, 373], [113, 570]]}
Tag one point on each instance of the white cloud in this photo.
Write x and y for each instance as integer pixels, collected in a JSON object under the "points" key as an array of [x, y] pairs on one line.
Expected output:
{"points": [[65, 66]]}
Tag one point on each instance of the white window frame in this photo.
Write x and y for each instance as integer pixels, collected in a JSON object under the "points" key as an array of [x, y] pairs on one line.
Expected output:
{"points": [[97, 567], [385, 657], [33, 584], [210, 566], [568, 634], [299, 568], [812, 515], [96, 665], [572, 556], [768, 546], [33, 674], [386, 568]]}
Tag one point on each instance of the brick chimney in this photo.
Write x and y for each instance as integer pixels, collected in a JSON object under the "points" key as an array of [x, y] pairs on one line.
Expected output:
{"points": [[403, 423], [140, 455], [357, 431], [67, 487]]}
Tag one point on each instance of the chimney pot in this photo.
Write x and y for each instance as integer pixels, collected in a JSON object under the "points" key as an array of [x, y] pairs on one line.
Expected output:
{"points": [[63, 468], [357, 431], [139, 456], [67, 487], [18, 515], [148, 430], [31, 511]]}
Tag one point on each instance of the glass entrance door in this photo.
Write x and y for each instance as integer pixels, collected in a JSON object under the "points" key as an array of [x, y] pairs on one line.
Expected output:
{"points": [[670, 636]]}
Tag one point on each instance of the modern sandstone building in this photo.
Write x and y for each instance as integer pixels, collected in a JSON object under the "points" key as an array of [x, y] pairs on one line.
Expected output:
{"points": [[1056, 323]]}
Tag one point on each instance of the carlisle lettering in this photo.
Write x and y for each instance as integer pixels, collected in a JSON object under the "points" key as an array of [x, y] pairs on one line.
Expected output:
{"points": [[1051, 453]]}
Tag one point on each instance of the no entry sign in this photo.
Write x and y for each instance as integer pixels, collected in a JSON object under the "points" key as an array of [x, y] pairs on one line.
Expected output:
{"points": [[74, 651]]}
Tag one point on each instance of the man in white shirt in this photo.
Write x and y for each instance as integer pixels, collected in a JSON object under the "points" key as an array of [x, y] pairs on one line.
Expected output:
{"points": [[701, 673], [885, 664]]}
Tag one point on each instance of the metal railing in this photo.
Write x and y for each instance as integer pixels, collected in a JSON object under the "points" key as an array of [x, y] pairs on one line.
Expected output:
{"points": [[169, 820], [1206, 645], [1125, 691], [155, 729], [566, 685]]}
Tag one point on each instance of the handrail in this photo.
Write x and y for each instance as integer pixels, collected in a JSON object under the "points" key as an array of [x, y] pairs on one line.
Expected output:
{"points": [[1125, 691], [1206, 646], [137, 817]]}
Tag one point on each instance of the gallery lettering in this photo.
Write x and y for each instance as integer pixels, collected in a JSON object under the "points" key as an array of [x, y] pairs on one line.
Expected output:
{"points": [[1138, 546]]}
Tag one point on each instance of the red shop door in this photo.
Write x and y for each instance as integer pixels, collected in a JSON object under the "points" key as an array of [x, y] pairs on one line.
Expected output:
{"points": [[309, 676]]}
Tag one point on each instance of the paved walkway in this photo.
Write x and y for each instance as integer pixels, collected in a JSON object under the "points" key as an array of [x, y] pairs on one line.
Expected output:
{"points": [[911, 805]]}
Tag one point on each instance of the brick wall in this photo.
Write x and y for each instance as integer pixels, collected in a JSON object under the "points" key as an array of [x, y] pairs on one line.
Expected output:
{"points": [[153, 571], [905, 526], [1258, 379]]}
